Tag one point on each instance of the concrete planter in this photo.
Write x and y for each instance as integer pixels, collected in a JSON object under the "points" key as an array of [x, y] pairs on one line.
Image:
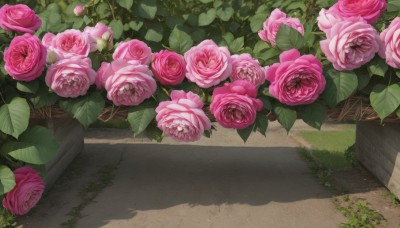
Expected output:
{"points": [[378, 149]]}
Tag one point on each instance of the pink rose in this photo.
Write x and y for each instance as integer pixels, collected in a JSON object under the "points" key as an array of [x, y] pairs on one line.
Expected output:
{"points": [[27, 192], [72, 42], [350, 44], [168, 67], [79, 10], [182, 118], [101, 77], [327, 19], [207, 64], [101, 36], [369, 10], [133, 50], [48, 39], [244, 67], [70, 77], [234, 105], [391, 44], [128, 83], [19, 18], [296, 80], [25, 58], [273, 23]]}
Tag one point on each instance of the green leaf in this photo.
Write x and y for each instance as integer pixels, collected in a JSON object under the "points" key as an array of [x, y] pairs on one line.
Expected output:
{"points": [[286, 116], [127, 4], [288, 38], [205, 1], [37, 145], [236, 45], [246, 132], [139, 117], [14, 117], [378, 67], [117, 27], [180, 41], [385, 99], [147, 9], [261, 123], [155, 33], [85, 109], [314, 114], [173, 21], [135, 25], [225, 12], [256, 22], [267, 105], [43, 97], [153, 132], [207, 17], [28, 87], [7, 180], [339, 86]]}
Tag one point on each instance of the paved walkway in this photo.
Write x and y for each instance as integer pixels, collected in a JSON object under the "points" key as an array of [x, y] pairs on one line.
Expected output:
{"points": [[217, 182]]}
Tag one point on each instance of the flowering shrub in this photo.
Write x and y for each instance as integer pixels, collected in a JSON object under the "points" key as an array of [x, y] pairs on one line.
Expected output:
{"points": [[177, 66]]}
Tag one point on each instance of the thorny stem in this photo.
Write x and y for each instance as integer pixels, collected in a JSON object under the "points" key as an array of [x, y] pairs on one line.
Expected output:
{"points": [[112, 9], [310, 9]]}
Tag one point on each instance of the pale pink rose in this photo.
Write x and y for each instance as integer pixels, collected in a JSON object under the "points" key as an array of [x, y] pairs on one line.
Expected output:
{"points": [[327, 19], [25, 58], [19, 18], [235, 105], [390, 38], [70, 77], [273, 23], [128, 83], [168, 67], [101, 36], [369, 10], [101, 77], [79, 10], [182, 118], [72, 42], [296, 80], [350, 44], [133, 50], [207, 64], [48, 39], [244, 67], [27, 192]]}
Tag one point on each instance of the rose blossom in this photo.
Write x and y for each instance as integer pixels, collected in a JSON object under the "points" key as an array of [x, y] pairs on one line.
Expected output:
{"points": [[296, 80], [273, 23], [350, 44], [70, 77], [369, 10], [48, 39], [327, 19], [27, 192], [101, 77], [25, 58], [128, 83], [19, 18], [182, 118], [207, 64], [72, 42], [101, 36], [168, 67], [133, 50], [79, 10], [235, 105], [244, 67], [390, 38]]}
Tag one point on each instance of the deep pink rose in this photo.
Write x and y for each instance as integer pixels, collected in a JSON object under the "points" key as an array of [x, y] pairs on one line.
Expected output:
{"points": [[133, 50], [168, 67], [72, 42], [47, 39], [79, 10], [182, 118], [327, 19], [390, 38], [27, 192], [235, 105], [70, 77], [297, 79], [19, 18], [101, 36], [273, 23], [244, 67], [207, 64], [101, 77], [369, 10], [128, 83], [25, 58], [350, 44]]}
